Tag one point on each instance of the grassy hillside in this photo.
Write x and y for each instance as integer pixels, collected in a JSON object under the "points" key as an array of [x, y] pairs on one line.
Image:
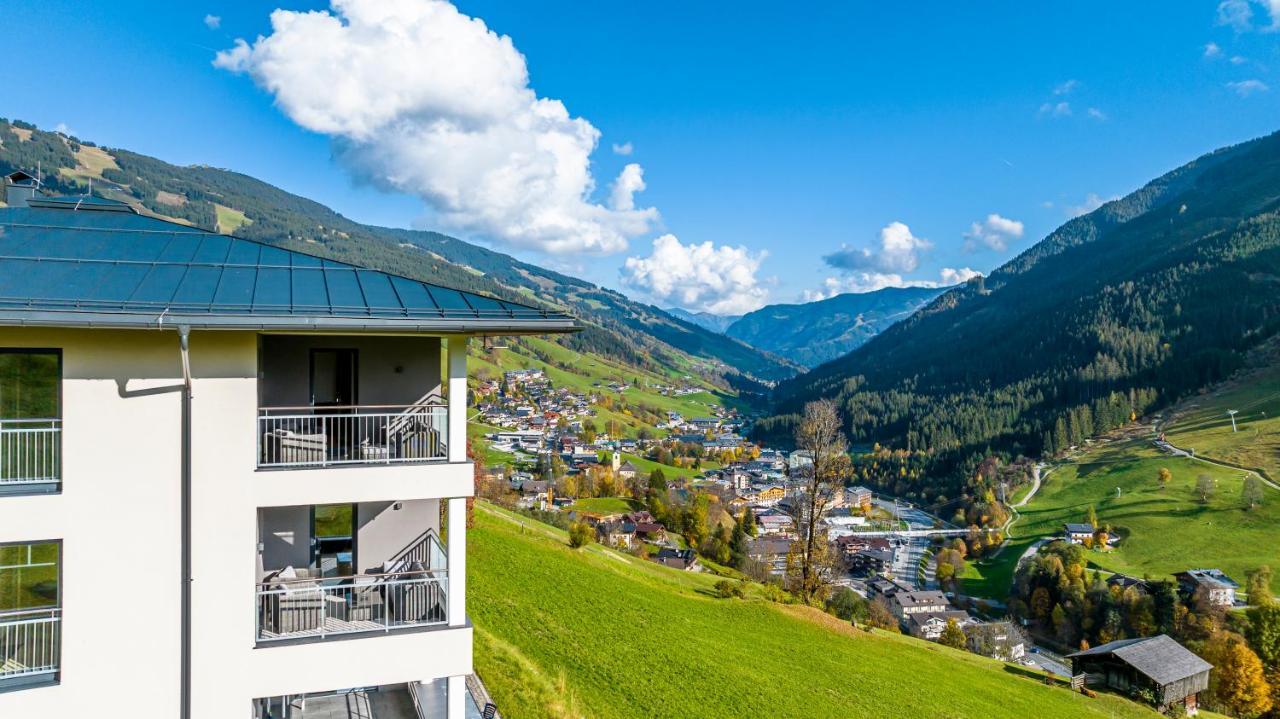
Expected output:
{"points": [[1201, 423], [593, 633], [1163, 530]]}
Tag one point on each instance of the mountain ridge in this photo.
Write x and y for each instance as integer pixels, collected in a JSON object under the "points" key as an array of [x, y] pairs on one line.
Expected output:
{"points": [[1113, 314], [811, 333]]}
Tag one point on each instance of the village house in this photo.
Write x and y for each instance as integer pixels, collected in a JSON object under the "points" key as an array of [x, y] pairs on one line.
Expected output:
{"points": [[997, 640], [1211, 584], [616, 534], [1173, 675], [770, 551], [857, 497], [626, 471], [905, 604], [885, 588], [1077, 533], [682, 559], [929, 625]]}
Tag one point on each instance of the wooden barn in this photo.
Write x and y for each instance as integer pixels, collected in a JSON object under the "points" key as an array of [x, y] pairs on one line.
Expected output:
{"points": [[1169, 671]]}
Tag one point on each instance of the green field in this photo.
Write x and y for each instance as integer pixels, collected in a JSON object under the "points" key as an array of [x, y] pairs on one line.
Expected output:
{"points": [[1202, 424], [594, 633], [605, 505], [1162, 530], [230, 219]]}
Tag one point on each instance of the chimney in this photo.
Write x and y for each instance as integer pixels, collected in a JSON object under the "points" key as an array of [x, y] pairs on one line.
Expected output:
{"points": [[18, 188]]}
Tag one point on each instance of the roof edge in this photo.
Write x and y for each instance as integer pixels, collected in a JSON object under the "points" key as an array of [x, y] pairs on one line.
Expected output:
{"points": [[151, 320]]}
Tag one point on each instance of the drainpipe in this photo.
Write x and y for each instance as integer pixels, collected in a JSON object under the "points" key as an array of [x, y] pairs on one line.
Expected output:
{"points": [[185, 541]]}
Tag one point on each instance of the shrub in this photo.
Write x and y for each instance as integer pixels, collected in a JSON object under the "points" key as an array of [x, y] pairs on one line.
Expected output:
{"points": [[579, 534]]}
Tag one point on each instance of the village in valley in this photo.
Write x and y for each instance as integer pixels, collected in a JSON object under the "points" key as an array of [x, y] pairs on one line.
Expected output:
{"points": [[696, 494]]}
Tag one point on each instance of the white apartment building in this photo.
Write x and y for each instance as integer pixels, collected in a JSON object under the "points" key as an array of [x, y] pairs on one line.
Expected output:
{"points": [[233, 477]]}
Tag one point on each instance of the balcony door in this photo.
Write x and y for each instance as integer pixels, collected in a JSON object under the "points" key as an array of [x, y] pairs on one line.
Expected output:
{"points": [[333, 378]]}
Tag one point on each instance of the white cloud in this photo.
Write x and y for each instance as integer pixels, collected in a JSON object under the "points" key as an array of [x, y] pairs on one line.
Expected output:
{"points": [[994, 233], [63, 129], [213, 22], [952, 276], [872, 281], [1238, 60], [1092, 201], [1245, 88], [1058, 109], [1066, 88], [698, 277], [629, 182], [1238, 14], [898, 251], [1211, 50], [624, 149], [420, 98], [1096, 114]]}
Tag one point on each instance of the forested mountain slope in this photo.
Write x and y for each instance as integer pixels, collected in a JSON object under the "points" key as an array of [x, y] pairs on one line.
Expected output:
{"points": [[1146, 299], [815, 332], [231, 202]]}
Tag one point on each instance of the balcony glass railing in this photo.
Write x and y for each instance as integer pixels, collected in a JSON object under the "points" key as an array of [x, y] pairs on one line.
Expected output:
{"points": [[30, 451], [30, 644], [381, 434]]}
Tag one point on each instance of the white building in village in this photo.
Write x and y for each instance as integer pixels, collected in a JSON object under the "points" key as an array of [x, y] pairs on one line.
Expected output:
{"points": [[226, 473]]}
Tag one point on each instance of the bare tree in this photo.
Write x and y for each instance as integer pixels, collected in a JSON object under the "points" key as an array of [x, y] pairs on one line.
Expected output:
{"points": [[821, 473]]}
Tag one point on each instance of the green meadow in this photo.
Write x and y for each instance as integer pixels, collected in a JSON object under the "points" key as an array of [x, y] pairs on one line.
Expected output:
{"points": [[595, 633]]}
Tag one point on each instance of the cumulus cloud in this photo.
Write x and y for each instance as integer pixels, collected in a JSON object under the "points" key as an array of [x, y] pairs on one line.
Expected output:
{"points": [[872, 281], [420, 98], [213, 22], [1211, 50], [898, 251], [629, 182], [1055, 109], [1245, 88], [995, 233], [698, 277], [1238, 14], [625, 149], [63, 129], [951, 276], [1096, 114]]}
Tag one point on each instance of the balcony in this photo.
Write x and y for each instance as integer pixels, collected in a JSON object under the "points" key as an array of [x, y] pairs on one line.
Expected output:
{"points": [[30, 453], [369, 567], [299, 437], [30, 646]]}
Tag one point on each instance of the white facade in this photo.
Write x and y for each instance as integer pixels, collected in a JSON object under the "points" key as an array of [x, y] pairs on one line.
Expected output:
{"points": [[118, 516]]}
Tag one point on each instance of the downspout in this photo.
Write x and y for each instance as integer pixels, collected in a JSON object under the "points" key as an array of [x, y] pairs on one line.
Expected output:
{"points": [[185, 540]]}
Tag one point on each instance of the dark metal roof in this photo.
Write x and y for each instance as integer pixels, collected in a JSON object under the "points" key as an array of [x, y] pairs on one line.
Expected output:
{"points": [[1160, 658], [91, 261]]}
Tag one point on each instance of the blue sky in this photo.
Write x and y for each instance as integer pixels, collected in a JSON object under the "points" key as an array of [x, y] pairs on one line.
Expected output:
{"points": [[785, 150]]}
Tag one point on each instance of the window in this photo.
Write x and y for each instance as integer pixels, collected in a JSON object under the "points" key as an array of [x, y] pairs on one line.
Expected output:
{"points": [[30, 384], [29, 576], [30, 424]]}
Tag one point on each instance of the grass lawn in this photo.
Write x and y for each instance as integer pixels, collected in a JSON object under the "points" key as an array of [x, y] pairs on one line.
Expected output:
{"points": [[1163, 530], [229, 219], [605, 505], [1202, 423], [595, 633], [646, 466]]}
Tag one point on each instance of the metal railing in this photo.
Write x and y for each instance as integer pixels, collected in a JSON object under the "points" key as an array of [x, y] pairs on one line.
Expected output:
{"points": [[30, 643], [369, 434], [30, 451], [300, 608]]}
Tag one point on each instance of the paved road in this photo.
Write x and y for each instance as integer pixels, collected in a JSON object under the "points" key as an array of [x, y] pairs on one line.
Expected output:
{"points": [[920, 527]]}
